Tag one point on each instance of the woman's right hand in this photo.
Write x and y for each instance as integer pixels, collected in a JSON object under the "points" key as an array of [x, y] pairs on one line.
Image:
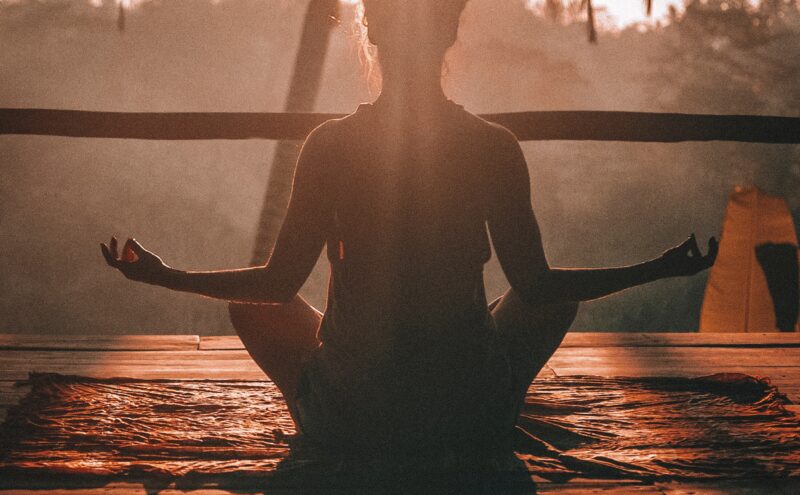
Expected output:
{"points": [[135, 262]]}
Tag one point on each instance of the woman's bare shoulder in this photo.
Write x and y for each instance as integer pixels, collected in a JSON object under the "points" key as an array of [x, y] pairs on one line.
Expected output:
{"points": [[498, 137], [334, 131]]}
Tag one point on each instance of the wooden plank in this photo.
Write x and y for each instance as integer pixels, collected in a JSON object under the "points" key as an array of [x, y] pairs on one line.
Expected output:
{"points": [[635, 358], [682, 339], [187, 365], [526, 126], [183, 365], [780, 365], [723, 356], [606, 339], [106, 356], [98, 342], [152, 374], [220, 343]]}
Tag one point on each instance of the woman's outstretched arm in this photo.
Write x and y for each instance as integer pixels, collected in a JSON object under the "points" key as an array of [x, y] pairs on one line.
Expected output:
{"points": [[518, 244], [297, 249]]}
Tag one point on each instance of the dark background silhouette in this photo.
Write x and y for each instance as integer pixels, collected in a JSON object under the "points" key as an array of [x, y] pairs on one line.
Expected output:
{"points": [[197, 203]]}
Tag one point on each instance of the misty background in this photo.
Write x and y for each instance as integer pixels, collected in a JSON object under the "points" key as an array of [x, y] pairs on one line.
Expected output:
{"points": [[197, 203]]}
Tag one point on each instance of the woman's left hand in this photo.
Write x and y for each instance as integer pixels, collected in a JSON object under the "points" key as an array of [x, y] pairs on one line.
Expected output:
{"points": [[135, 262], [686, 259]]}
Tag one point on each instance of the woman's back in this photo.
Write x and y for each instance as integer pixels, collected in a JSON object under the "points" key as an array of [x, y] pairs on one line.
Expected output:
{"points": [[407, 241], [407, 198]]}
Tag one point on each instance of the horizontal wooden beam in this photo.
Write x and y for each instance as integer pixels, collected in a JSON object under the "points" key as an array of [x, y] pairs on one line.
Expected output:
{"points": [[61, 342], [527, 126], [595, 340]]}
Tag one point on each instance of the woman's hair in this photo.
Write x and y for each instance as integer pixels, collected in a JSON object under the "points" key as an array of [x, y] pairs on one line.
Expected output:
{"points": [[367, 52], [439, 17]]}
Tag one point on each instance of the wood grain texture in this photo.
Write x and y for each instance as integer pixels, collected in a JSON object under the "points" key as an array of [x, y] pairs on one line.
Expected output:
{"points": [[776, 356], [606, 339], [780, 364], [10, 341], [588, 358], [680, 339]]}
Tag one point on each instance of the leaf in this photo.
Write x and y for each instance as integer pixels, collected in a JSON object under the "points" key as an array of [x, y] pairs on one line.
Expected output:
{"points": [[737, 298]]}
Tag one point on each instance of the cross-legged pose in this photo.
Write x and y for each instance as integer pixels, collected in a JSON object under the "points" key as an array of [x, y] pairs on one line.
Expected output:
{"points": [[406, 194]]}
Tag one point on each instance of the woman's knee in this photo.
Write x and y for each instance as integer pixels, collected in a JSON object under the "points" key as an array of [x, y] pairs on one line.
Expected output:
{"points": [[293, 321]]}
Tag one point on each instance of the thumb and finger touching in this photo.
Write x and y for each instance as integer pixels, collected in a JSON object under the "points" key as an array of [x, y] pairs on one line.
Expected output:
{"points": [[689, 255], [713, 248], [694, 248], [131, 252]]}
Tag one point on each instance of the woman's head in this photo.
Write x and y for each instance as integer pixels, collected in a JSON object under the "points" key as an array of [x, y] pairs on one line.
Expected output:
{"points": [[411, 35]]}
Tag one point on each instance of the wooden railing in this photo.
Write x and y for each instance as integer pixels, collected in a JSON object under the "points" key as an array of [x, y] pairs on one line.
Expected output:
{"points": [[527, 126]]}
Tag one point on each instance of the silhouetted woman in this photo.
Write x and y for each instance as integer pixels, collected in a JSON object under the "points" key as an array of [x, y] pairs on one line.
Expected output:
{"points": [[407, 354]]}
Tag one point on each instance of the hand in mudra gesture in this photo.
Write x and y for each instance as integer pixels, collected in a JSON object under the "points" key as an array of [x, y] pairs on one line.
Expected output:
{"points": [[686, 259], [134, 261]]}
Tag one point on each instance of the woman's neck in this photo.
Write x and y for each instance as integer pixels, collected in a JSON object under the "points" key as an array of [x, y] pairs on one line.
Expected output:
{"points": [[413, 93]]}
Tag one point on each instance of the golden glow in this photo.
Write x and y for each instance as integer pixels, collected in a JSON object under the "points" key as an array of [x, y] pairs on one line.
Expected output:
{"points": [[624, 13], [619, 14], [614, 14], [611, 14]]}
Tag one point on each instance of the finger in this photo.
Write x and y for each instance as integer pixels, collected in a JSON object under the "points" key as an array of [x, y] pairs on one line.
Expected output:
{"points": [[713, 250], [129, 254], [683, 247], [137, 248], [694, 248], [107, 255], [113, 247]]}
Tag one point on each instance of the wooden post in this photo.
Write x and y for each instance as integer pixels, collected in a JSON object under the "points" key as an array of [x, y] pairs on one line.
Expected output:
{"points": [[320, 18]]}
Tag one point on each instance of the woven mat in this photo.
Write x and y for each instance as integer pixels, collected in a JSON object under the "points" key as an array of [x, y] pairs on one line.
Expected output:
{"points": [[720, 426]]}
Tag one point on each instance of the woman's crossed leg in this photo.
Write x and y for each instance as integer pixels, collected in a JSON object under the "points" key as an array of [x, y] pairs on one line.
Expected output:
{"points": [[279, 336]]}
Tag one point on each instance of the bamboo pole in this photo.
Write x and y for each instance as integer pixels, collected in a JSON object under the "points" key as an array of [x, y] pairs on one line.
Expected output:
{"points": [[303, 91], [527, 126]]}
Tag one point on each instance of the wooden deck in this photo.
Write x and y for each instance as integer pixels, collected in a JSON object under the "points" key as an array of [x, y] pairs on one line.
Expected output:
{"points": [[189, 357]]}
